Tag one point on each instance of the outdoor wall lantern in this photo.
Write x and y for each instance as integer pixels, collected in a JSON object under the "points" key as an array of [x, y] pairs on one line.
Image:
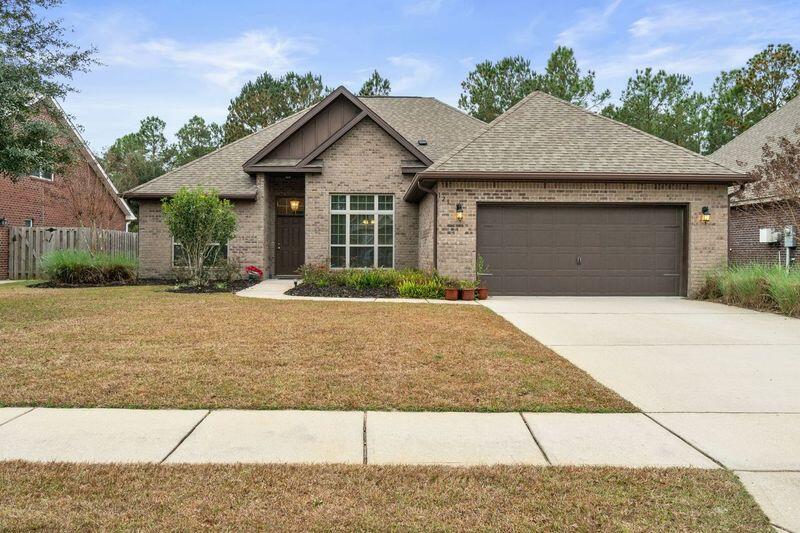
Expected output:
{"points": [[2, 222], [705, 215], [459, 212], [294, 205]]}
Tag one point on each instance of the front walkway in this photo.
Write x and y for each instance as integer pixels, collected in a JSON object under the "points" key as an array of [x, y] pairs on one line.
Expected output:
{"points": [[355, 437], [721, 378]]}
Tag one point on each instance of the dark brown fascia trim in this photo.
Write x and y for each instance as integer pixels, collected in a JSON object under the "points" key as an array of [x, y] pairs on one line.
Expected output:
{"points": [[158, 196], [332, 139], [250, 164], [414, 194], [268, 169]]}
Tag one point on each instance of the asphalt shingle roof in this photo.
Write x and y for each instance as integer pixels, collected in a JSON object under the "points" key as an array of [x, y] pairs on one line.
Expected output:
{"points": [[542, 133], [415, 118], [744, 152]]}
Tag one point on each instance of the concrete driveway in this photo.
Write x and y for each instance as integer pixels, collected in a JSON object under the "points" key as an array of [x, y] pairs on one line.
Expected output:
{"points": [[724, 379]]}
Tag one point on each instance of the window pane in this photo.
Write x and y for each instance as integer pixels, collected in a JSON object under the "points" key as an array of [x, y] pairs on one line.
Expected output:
{"points": [[361, 257], [179, 258], [362, 229], [215, 254], [362, 202], [385, 254], [338, 257], [338, 229], [338, 202], [385, 202], [385, 229]]}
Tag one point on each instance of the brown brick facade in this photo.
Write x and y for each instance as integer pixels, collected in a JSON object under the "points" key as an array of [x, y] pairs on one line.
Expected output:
{"points": [[47, 203], [155, 241], [365, 160], [707, 242], [743, 234]]}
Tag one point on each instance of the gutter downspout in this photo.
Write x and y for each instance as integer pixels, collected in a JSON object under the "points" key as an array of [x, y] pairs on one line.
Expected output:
{"points": [[435, 222]]}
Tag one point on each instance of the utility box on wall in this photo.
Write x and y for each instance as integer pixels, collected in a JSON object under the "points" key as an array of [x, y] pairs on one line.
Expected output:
{"points": [[789, 237], [768, 235]]}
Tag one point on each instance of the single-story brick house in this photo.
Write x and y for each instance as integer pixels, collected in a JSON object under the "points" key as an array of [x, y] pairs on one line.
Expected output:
{"points": [[554, 198], [751, 210]]}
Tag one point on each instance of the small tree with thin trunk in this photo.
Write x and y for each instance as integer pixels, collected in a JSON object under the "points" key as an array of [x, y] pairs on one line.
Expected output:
{"points": [[777, 185], [201, 224]]}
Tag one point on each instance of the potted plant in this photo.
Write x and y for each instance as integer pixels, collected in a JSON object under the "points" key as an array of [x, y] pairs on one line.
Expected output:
{"points": [[254, 274], [480, 272], [451, 292], [468, 290]]}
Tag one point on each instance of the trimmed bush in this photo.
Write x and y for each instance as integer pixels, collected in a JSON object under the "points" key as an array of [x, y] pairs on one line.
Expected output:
{"points": [[408, 282], [79, 267], [755, 286]]}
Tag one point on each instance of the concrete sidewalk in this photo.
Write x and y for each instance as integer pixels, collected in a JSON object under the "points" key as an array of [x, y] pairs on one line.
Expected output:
{"points": [[355, 437]]}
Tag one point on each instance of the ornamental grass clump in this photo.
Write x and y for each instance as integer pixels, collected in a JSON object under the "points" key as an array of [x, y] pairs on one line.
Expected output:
{"points": [[409, 283], [80, 267], [770, 287]]}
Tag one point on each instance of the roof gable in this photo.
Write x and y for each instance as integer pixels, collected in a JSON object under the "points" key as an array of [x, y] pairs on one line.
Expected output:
{"points": [[542, 134], [325, 123]]}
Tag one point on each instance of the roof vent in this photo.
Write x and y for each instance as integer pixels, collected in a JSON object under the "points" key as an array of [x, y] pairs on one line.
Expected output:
{"points": [[422, 142]]}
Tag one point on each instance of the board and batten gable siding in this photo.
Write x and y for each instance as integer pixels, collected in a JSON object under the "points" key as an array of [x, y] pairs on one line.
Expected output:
{"points": [[365, 160], [246, 247], [707, 242]]}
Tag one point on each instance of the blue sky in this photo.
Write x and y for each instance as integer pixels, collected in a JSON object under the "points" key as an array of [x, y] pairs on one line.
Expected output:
{"points": [[175, 59]]}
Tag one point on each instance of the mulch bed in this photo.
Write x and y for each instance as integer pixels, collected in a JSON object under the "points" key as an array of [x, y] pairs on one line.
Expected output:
{"points": [[337, 291], [235, 286], [57, 285]]}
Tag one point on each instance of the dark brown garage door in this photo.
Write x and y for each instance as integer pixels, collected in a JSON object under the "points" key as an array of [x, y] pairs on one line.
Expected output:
{"points": [[582, 250]]}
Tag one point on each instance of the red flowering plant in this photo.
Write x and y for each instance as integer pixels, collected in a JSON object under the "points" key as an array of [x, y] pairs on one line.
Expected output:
{"points": [[254, 273]]}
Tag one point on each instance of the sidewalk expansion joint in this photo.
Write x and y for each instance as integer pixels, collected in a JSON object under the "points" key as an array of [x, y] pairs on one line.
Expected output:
{"points": [[538, 444], [703, 452], [15, 417], [364, 438], [185, 437]]}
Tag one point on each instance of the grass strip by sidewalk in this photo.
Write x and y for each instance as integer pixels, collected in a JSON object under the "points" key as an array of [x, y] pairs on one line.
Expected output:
{"points": [[348, 498], [144, 347]]}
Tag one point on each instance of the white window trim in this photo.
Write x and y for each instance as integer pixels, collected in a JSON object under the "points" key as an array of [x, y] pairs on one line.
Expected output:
{"points": [[174, 244], [40, 176], [375, 212]]}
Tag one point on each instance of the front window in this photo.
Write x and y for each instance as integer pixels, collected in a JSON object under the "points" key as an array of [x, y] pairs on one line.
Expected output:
{"points": [[214, 254], [362, 230]]}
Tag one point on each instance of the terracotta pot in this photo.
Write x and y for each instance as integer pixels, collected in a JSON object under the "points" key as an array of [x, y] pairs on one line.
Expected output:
{"points": [[451, 294], [483, 293], [468, 294]]}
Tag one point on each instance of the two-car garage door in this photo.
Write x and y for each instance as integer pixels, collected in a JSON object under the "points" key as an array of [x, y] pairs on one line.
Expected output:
{"points": [[591, 250]]}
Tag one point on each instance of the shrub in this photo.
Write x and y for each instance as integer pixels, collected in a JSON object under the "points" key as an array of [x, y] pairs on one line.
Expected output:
{"points": [[755, 286], [409, 283], [196, 219], [79, 267], [431, 289]]}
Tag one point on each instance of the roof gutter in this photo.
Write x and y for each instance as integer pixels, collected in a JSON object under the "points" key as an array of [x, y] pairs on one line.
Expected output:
{"points": [[413, 194], [158, 196]]}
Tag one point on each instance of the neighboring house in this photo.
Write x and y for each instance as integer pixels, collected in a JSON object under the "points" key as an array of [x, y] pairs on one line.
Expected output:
{"points": [[745, 152], [557, 200], [56, 199]]}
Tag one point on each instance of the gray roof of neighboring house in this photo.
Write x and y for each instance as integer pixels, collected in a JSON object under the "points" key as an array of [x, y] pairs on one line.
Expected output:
{"points": [[747, 148], [414, 118], [544, 134]]}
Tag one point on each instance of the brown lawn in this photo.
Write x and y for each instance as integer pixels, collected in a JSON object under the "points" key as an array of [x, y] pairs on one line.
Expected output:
{"points": [[356, 498], [144, 347]]}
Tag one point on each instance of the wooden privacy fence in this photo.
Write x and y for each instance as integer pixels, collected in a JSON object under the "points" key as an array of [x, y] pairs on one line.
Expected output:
{"points": [[27, 246]]}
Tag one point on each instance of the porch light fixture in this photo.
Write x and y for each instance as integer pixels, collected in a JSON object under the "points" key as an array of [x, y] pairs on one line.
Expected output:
{"points": [[459, 212], [2, 221], [294, 205], [705, 215]]}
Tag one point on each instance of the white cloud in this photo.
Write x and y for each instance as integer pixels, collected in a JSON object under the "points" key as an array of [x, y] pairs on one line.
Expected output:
{"points": [[414, 72], [590, 23], [226, 63], [423, 7]]}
